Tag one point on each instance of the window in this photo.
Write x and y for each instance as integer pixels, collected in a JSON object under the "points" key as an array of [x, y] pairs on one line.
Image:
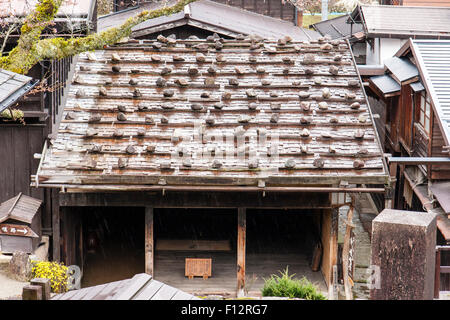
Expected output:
{"points": [[425, 112]]}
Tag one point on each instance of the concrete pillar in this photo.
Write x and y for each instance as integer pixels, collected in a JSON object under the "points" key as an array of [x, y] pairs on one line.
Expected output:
{"points": [[404, 248]]}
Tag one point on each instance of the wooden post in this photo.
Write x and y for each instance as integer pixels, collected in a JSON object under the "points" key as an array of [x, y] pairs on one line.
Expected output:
{"points": [[149, 250], [32, 292], [45, 285], [56, 227], [345, 255], [241, 252], [437, 274]]}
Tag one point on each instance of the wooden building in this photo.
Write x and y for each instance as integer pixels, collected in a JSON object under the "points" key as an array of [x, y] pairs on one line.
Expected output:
{"points": [[411, 102], [419, 3], [42, 108], [387, 28], [204, 17], [239, 150]]}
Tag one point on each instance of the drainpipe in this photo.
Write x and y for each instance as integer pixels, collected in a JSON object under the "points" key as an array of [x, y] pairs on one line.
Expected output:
{"points": [[324, 10]]}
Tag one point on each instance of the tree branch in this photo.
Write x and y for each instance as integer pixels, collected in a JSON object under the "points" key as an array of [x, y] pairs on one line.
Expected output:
{"points": [[30, 50]]}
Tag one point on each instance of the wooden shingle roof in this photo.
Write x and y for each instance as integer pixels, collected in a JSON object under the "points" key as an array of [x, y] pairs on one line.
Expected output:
{"points": [[21, 208], [196, 112]]}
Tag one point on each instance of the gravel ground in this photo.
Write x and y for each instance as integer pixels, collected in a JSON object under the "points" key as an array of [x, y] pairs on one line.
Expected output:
{"points": [[9, 288]]}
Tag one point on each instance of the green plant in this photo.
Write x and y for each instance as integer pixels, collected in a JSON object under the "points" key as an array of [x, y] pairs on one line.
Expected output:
{"points": [[56, 272], [286, 286]]}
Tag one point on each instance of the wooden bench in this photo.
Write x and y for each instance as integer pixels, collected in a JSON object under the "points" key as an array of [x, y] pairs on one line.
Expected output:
{"points": [[198, 267]]}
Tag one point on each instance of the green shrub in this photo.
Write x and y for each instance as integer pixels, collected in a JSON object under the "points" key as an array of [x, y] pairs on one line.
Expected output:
{"points": [[286, 286]]}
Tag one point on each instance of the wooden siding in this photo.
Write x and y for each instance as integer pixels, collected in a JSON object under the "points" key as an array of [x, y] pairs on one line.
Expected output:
{"points": [[426, 3], [437, 142], [405, 118], [18, 143]]}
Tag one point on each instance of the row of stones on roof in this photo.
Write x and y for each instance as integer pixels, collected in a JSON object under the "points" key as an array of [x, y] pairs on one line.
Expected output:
{"points": [[212, 70], [122, 163], [211, 121], [305, 106], [239, 131], [308, 58], [226, 95]]}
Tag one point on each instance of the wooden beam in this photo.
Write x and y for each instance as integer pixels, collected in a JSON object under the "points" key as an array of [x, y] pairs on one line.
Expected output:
{"points": [[419, 160], [241, 251], [149, 247], [197, 200], [56, 227]]}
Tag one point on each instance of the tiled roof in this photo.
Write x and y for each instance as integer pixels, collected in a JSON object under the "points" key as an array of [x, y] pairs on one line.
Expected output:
{"points": [[404, 21], [142, 113], [226, 20]]}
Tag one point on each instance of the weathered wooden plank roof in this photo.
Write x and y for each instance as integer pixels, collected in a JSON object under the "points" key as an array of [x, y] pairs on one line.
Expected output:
{"points": [[21, 208], [404, 21], [219, 112], [140, 287], [433, 60], [226, 20]]}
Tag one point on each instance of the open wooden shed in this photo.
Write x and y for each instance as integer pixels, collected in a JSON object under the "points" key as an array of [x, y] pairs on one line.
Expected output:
{"points": [[237, 150]]}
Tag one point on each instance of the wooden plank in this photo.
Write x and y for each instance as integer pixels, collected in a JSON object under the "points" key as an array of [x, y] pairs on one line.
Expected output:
{"points": [[241, 239], [181, 295], [93, 291], [135, 284], [165, 293], [107, 291], [149, 242], [198, 200], [7, 171], [149, 291], [345, 255]]}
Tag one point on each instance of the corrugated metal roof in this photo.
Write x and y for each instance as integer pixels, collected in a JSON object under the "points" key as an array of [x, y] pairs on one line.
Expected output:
{"points": [[338, 28], [150, 112], [385, 84], [140, 287], [404, 21], [226, 20], [433, 59]]}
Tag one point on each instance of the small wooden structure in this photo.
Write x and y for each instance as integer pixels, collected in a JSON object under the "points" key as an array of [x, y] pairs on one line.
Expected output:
{"points": [[17, 220], [196, 267]]}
